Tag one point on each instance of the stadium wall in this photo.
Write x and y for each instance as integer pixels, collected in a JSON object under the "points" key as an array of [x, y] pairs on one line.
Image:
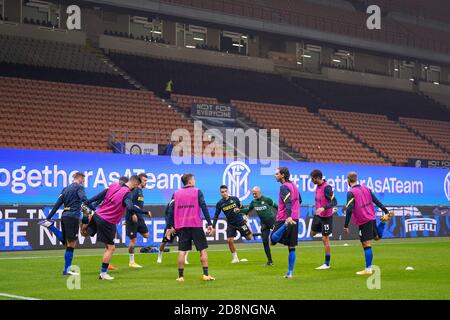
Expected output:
{"points": [[43, 33], [165, 51], [37, 177]]}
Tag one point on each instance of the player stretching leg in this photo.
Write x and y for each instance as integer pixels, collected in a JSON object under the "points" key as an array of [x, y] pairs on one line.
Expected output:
{"points": [[165, 240], [286, 226], [72, 197], [184, 217], [103, 223], [323, 219], [95, 202], [360, 200], [135, 222], [235, 220], [264, 209]]}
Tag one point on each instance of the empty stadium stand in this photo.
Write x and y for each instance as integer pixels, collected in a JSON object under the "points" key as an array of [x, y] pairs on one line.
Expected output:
{"points": [[58, 116], [64, 75], [29, 51], [386, 136], [393, 103], [217, 82], [308, 134], [56, 61], [436, 131]]}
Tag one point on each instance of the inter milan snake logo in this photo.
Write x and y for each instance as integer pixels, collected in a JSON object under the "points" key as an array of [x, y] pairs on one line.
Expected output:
{"points": [[447, 186], [235, 177]]}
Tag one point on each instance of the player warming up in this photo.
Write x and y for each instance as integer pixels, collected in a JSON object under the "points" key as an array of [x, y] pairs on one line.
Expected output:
{"points": [[264, 209], [114, 203], [323, 219], [169, 240], [360, 209], [184, 217], [235, 220], [286, 225], [72, 197], [135, 222]]}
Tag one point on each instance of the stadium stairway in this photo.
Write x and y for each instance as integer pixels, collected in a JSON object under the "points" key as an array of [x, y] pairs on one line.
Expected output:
{"points": [[182, 105], [102, 56]]}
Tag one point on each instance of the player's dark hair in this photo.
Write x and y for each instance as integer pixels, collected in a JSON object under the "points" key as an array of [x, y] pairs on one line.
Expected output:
{"points": [[352, 177], [185, 178], [284, 171], [316, 174], [223, 187], [78, 174], [123, 180], [136, 178], [142, 175]]}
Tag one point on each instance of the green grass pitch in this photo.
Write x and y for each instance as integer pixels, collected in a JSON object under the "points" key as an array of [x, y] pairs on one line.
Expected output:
{"points": [[37, 274]]}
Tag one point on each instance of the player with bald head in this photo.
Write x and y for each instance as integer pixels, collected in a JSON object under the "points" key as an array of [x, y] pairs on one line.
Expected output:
{"points": [[264, 209]]}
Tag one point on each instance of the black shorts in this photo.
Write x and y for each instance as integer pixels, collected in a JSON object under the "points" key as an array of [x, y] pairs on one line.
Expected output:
{"points": [[70, 227], [172, 237], [323, 225], [187, 235], [243, 229], [290, 237], [133, 228], [368, 231], [105, 231]]}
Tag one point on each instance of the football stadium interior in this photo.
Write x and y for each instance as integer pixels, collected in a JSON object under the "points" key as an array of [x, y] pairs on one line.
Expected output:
{"points": [[132, 72]]}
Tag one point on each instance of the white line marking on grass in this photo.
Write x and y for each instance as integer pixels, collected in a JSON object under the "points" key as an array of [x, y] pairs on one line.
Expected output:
{"points": [[17, 297]]}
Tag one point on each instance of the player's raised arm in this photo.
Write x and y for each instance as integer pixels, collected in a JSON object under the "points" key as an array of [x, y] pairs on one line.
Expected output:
{"points": [[97, 198], [57, 205], [378, 203], [84, 200], [247, 210]]}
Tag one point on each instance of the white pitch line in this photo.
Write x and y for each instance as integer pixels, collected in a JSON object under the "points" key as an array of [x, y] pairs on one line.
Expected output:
{"points": [[17, 297], [218, 250]]}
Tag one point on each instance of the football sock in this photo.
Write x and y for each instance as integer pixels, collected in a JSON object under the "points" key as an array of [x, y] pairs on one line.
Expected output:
{"points": [[68, 257], [291, 259], [104, 267], [369, 257], [327, 259]]}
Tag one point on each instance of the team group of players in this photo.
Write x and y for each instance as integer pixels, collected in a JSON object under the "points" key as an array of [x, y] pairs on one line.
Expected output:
{"points": [[101, 214]]}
